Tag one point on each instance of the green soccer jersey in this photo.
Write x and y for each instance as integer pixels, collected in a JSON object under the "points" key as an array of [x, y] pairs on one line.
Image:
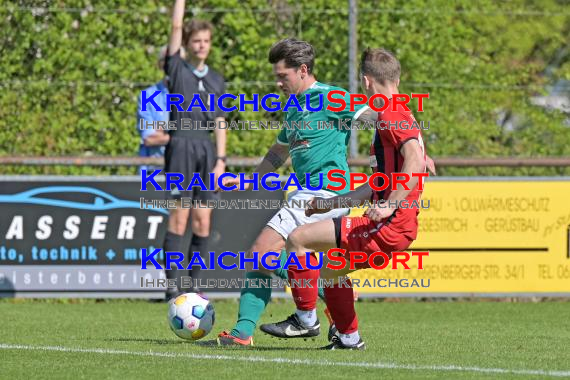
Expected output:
{"points": [[314, 146]]}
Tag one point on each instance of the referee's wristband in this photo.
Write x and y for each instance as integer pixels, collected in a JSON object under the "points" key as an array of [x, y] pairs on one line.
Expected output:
{"points": [[223, 158]]}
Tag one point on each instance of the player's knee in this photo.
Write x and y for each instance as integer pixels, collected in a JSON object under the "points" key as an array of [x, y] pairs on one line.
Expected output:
{"points": [[294, 240], [260, 266], [178, 229], [177, 222], [201, 226]]}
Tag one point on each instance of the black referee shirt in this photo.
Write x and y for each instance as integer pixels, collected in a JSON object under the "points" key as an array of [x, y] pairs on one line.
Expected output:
{"points": [[183, 81]]}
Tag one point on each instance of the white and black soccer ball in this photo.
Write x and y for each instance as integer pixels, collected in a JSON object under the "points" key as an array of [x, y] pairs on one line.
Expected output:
{"points": [[191, 316]]}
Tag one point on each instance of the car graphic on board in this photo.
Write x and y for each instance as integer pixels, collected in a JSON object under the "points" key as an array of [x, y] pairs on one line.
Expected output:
{"points": [[74, 197], [77, 225]]}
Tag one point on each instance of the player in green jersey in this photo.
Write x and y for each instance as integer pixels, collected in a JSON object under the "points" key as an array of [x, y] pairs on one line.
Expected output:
{"points": [[313, 150]]}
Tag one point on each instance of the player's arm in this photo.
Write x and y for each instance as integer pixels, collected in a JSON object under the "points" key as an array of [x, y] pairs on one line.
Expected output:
{"points": [[274, 159], [430, 165], [354, 198], [220, 134], [150, 136], [367, 115], [414, 162], [177, 25], [158, 138]]}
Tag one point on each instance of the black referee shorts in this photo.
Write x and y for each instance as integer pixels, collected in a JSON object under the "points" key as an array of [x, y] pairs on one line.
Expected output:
{"points": [[188, 156]]}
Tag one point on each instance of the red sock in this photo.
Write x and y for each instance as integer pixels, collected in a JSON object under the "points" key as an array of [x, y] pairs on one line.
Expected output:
{"points": [[305, 297], [340, 302]]}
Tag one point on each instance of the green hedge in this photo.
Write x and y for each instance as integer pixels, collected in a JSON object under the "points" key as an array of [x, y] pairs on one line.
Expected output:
{"points": [[70, 78]]}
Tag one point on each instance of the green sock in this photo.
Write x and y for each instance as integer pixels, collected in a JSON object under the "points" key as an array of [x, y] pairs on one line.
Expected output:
{"points": [[252, 303], [282, 273]]}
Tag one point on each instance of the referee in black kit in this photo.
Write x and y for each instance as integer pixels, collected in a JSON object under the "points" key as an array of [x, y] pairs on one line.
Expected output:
{"points": [[191, 150]]}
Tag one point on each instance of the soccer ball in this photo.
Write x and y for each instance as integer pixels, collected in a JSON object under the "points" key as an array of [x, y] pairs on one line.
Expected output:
{"points": [[191, 316]]}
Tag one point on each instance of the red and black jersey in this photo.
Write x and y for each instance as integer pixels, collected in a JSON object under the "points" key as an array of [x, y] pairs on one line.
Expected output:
{"points": [[395, 129]]}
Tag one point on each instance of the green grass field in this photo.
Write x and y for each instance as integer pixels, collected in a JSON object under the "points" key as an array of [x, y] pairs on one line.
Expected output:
{"points": [[406, 340]]}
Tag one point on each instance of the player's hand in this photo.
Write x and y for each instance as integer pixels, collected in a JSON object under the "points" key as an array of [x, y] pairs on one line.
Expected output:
{"points": [[378, 213], [229, 182], [219, 169], [430, 165], [313, 207]]}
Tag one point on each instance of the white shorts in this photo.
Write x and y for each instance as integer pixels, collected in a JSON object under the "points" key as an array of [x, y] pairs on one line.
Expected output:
{"points": [[287, 219]]}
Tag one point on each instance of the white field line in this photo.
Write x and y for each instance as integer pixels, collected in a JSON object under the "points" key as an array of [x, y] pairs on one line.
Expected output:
{"points": [[306, 362]]}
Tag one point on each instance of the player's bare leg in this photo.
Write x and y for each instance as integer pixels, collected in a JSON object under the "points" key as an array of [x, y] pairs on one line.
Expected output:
{"points": [[304, 322], [254, 299], [320, 237], [177, 221], [200, 224]]}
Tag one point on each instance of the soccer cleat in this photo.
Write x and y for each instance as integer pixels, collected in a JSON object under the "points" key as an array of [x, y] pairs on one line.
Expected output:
{"points": [[333, 331], [292, 327], [332, 328], [226, 339], [194, 289], [338, 345], [171, 293]]}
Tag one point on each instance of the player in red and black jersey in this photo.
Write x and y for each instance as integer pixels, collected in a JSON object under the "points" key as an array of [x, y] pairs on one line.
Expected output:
{"points": [[385, 229], [393, 150]]}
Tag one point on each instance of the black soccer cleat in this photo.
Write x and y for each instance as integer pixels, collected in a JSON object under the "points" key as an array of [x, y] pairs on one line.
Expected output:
{"points": [[338, 345], [171, 293], [332, 328], [292, 327], [333, 331], [195, 289]]}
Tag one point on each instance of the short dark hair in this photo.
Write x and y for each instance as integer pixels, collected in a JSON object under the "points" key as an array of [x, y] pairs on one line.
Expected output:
{"points": [[195, 26], [294, 52], [380, 64]]}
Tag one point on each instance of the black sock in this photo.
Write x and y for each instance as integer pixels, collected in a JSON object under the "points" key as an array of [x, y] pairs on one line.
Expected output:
{"points": [[198, 244], [173, 242]]}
